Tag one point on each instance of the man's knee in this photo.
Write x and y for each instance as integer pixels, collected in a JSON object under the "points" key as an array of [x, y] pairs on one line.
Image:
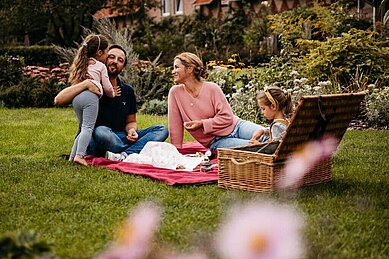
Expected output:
{"points": [[163, 132], [102, 133]]}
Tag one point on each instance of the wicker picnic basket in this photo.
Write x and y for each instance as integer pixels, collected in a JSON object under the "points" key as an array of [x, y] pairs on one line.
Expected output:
{"points": [[245, 168]]}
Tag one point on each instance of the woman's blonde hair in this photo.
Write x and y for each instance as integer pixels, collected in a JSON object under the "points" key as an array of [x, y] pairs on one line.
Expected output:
{"points": [[191, 60], [88, 49], [280, 99]]}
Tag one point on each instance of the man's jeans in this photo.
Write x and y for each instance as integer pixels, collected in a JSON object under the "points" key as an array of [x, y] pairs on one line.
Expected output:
{"points": [[105, 139]]}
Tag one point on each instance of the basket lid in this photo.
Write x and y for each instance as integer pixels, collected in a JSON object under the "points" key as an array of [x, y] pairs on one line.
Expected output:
{"points": [[319, 116]]}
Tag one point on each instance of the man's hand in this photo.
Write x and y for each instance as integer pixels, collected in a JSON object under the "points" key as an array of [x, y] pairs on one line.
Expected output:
{"points": [[94, 89], [193, 125], [66, 96], [132, 136]]}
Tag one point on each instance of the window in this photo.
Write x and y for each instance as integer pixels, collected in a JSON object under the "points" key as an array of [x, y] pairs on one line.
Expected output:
{"points": [[165, 7], [179, 6]]}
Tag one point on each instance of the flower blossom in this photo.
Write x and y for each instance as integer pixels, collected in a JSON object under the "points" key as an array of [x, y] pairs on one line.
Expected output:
{"points": [[303, 160], [135, 235], [261, 230]]}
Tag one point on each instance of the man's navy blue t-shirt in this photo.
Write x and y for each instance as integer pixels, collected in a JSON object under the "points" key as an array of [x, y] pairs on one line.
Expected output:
{"points": [[113, 112]]}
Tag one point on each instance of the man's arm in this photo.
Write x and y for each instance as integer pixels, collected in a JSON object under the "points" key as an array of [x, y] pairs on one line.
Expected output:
{"points": [[131, 127], [66, 95]]}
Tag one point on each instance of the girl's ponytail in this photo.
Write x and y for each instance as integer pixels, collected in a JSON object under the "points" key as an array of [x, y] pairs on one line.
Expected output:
{"points": [[277, 97], [88, 49], [288, 108]]}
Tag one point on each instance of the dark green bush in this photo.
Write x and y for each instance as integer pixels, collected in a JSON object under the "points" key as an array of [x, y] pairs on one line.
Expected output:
{"points": [[34, 55], [24, 244], [30, 92], [208, 37], [11, 70]]}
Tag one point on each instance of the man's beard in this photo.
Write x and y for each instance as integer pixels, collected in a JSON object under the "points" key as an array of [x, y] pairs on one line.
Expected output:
{"points": [[113, 74]]}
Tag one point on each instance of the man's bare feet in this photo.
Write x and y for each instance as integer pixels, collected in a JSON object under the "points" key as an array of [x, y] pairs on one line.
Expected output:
{"points": [[79, 160]]}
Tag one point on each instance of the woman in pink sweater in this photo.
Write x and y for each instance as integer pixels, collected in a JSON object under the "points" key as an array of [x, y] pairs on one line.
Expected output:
{"points": [[202, 109]]}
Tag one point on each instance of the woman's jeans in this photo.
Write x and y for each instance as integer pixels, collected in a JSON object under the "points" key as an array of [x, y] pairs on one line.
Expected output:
{"points": [[105, 139], [240, 136]]}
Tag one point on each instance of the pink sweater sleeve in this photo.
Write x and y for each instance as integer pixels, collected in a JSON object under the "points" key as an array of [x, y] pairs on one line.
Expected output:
{"points": [[224, 116], [175, 122]]}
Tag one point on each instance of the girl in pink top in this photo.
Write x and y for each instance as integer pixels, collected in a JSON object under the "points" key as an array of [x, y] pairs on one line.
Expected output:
{"points": [[88, 64], [202, 109]]}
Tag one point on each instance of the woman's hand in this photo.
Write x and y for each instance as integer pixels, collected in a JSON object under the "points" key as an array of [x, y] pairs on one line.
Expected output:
{"points": [[193, 125]]}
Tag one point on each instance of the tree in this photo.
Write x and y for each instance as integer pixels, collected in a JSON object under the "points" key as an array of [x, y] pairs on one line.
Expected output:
{"points": [[136, 11], [46, 21], [22, 22], [68, 17]]}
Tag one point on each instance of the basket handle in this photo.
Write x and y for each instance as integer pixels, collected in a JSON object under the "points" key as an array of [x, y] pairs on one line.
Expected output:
{"points": [[233, 160]]}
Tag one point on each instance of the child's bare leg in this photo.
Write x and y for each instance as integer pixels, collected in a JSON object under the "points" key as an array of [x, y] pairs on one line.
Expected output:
{"points": [[80, 160]]}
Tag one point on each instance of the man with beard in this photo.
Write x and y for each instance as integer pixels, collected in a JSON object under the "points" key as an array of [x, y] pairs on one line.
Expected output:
{"points": [[116, 131]]}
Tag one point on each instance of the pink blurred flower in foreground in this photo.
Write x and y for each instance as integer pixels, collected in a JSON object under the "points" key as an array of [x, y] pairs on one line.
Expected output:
{"points": [[261, 230], [135, 235], [303, 160]]}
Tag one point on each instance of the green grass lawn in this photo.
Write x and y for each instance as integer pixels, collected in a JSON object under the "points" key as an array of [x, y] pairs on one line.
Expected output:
{"points": [[77, 208]]}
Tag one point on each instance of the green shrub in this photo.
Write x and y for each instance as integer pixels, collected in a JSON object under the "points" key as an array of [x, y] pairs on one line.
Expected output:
{"points": [[24, 244], [34, 55], [11, 70], [377, 107], [352, 61], [154, 107], [150, 80], [30, 92]]}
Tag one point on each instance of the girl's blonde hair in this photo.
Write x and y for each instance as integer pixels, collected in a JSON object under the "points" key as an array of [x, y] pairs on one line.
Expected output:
{"points": [[88, 49], [280, 99], [191, 60]]}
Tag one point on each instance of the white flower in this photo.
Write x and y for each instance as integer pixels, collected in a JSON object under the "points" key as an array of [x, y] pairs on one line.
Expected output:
{"points": [[261, 230], [294, 73], [303, 80], [317, 88], [296, 81]]}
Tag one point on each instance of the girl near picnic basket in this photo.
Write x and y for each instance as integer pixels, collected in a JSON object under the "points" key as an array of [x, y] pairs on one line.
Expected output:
{"points": [[276, 105], [89, 63]]}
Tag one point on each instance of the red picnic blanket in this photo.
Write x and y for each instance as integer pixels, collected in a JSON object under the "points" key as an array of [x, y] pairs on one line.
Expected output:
{"points": [[171, 177]]}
